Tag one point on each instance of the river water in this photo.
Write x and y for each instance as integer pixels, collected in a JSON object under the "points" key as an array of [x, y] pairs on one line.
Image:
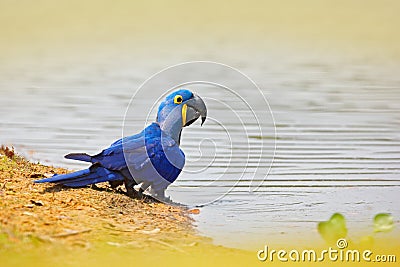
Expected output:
{"points": [[335, 146]]}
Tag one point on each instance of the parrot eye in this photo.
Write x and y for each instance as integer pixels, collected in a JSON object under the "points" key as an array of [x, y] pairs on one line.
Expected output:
{"points": [[178, 99]]}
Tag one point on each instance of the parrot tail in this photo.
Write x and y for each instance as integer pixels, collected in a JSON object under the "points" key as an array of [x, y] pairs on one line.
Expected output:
{"points": [[79, 156], [94, 174]]}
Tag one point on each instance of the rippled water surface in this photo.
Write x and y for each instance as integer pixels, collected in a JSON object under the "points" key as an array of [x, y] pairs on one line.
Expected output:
{"points": [[337, 138]]}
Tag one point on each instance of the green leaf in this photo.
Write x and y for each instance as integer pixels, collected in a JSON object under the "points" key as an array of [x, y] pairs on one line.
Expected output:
{"points": [[333, 229], [383, 222]]}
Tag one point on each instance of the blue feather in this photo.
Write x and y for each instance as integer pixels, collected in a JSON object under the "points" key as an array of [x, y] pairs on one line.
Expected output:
{"points": [[95, 174], [79, 156], [152, 156]]}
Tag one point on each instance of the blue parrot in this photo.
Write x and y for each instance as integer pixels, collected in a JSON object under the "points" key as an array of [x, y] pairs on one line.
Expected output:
{"points": [[151, 158]]}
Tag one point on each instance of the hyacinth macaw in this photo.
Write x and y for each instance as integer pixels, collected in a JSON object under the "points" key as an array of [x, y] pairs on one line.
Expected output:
{"points": [[151, 158]]}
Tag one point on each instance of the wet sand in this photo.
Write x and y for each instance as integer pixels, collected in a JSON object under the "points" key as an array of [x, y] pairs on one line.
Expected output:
{"points": [[45, 224]]}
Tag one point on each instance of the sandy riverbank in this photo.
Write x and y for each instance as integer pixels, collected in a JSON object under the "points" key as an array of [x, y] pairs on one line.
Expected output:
{"points": [[46, 225]]}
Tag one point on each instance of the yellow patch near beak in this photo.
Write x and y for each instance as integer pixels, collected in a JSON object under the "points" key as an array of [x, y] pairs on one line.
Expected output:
{"points": [[184, 109]]}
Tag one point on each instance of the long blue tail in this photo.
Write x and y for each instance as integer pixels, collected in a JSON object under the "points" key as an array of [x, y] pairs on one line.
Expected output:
{"points": [[95, 174], [79, 156]]}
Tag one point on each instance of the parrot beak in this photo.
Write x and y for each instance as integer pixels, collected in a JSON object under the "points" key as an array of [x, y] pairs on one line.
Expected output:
{"points": [[192, 109]]}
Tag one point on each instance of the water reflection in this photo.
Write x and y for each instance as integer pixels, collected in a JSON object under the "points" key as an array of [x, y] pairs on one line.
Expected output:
{"points": [[338, 142]]}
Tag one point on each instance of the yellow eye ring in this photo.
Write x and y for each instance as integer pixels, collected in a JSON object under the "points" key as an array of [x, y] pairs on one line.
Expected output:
{"points": [[178, 99]]}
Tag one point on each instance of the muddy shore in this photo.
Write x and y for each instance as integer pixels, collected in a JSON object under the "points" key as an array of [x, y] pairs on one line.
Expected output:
{"points": [[90, 224]]}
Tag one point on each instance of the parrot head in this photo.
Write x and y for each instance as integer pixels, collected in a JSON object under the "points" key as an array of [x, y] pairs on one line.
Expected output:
{"points": [[180, 109]]}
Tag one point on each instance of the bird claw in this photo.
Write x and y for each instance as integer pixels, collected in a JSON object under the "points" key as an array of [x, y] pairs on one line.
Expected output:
{"points": [[168, 200], [132, 193], [151, 196]]}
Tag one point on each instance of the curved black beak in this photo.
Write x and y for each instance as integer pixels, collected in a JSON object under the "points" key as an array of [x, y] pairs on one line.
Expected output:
{"points": [[195, 108]]}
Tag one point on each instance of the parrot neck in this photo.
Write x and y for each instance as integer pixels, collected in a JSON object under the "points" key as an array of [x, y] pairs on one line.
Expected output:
{"points": [[173, 130], [171, 125]]}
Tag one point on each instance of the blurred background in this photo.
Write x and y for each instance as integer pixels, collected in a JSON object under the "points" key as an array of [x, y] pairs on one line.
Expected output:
{"points": [[159, 29], [329, 69]]}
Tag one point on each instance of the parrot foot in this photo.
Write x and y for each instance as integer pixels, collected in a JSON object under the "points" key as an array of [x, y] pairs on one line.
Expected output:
{"points": [[130, 191], [173, 203], [161, 197], [115, 184]]}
